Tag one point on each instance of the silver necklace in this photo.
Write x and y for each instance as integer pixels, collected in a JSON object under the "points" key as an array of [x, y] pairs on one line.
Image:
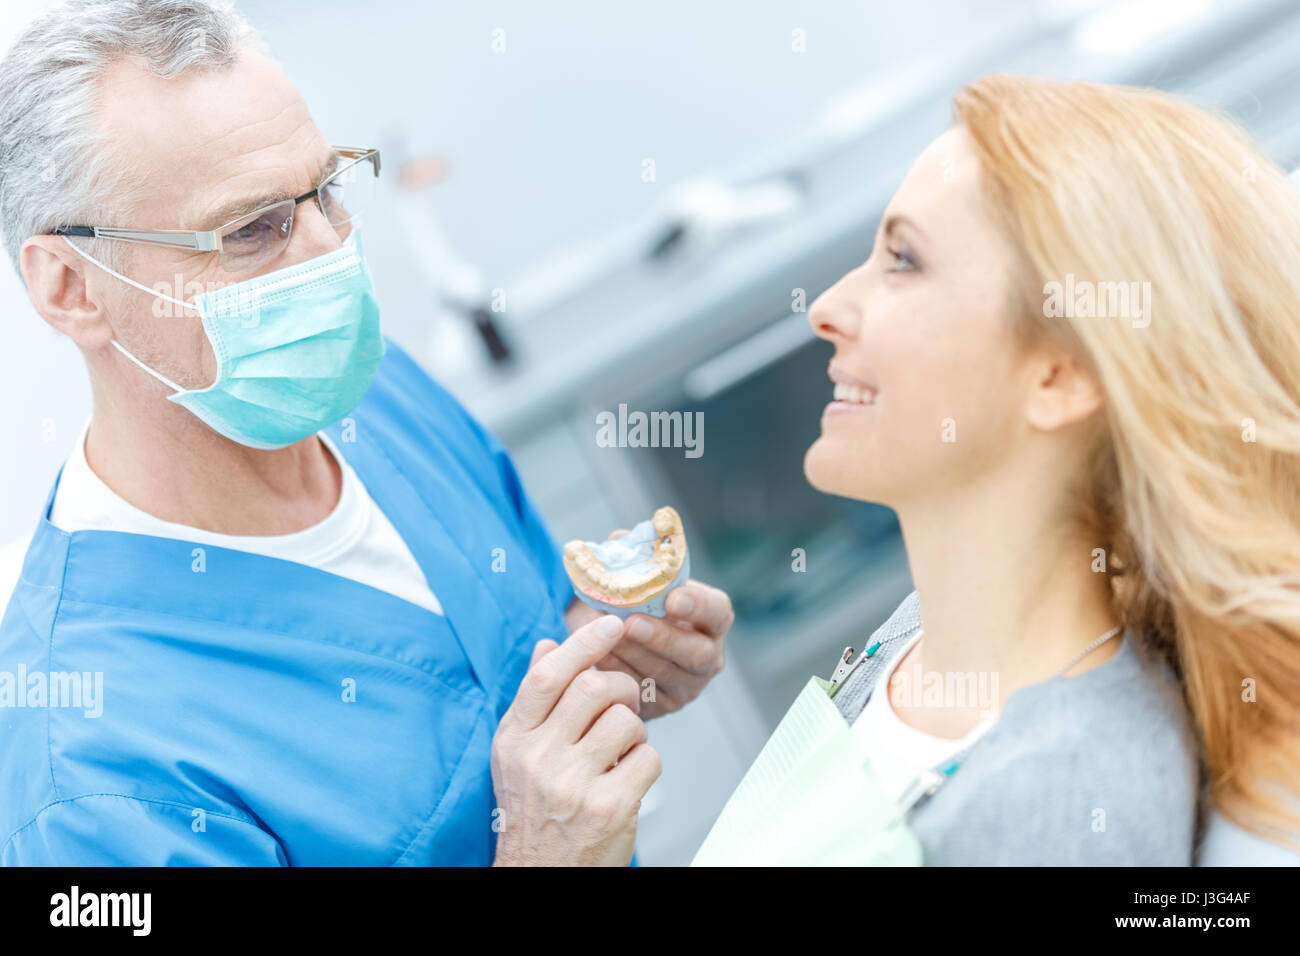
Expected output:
{"points": [[1089, 649], [932, 779]]}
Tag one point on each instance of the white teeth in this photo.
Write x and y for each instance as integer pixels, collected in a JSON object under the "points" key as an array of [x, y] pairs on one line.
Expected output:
{"points": [[854, 394], [660, 558]]}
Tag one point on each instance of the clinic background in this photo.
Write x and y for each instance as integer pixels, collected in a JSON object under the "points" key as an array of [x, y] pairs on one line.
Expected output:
{"points": [[590, 205]]}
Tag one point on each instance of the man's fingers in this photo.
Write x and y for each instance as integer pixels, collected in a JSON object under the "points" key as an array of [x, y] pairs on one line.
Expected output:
{"points": [[643, 663], [688, 649], [541, 649], [614, 733], [550, 675], [636, 771], [588, 696], [706, 608]]}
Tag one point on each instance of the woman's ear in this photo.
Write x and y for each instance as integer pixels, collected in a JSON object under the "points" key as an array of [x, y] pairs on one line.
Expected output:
{"points": [[56, 283], [1062, 390]]}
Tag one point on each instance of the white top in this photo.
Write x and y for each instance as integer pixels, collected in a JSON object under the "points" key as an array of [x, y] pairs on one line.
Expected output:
{"points": [[1226, 844], [898, 752], [355, 540]]}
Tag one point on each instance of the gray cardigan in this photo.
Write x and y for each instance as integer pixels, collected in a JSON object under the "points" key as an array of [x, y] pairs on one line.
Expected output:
{"points": [[1097, 770]]}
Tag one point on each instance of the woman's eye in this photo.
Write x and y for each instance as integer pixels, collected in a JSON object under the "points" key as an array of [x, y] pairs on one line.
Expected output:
{"points": [[903, 260]]}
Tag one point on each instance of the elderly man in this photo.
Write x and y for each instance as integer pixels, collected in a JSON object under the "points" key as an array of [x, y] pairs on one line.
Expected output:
{"points": [[274, 541]]}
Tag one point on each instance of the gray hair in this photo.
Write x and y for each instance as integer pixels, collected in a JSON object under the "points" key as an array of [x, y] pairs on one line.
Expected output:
{"points": [[56, 166]]}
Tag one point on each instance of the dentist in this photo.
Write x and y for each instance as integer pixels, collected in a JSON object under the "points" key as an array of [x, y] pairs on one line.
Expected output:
{"points": [[277, 540]]}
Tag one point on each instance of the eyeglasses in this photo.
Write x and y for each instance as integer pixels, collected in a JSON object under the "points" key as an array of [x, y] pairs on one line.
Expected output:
{"points": [[258, 237]]}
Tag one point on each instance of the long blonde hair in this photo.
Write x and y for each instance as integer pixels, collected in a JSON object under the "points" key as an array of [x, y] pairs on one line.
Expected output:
{"points": [[1194, 486]]}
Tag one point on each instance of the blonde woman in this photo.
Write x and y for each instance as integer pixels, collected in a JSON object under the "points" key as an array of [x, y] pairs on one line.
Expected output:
{"points": [[1071, 364]]}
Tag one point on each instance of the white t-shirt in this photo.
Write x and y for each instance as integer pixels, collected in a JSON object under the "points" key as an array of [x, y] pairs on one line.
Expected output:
{"points": [[899, 752], [355, 540]]}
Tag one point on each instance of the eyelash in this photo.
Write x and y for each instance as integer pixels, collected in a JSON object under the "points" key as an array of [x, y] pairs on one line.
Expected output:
{"points": [[903, 255]]}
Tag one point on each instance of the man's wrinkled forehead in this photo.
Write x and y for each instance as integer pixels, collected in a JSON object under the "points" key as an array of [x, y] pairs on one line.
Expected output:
{"points": [[210, 137]]}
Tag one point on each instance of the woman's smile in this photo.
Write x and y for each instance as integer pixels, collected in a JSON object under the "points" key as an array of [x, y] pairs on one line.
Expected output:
{"points": [[851, 394]]}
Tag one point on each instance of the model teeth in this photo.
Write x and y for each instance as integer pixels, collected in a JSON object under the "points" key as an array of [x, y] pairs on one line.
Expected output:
{"points": [[854, 394], [644, 565]]}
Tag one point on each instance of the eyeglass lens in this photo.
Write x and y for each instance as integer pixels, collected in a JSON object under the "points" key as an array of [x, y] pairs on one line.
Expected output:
{"points": [[344, 197]]}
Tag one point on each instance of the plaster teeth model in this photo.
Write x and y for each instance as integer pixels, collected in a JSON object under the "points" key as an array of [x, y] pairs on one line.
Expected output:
{"points": [[632, 574]]}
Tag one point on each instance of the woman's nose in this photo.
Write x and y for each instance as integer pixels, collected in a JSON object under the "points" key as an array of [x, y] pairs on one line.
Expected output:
{"points": [[833, 317]]}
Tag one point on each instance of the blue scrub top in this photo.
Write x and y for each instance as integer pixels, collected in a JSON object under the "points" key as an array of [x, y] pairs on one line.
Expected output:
{"points": [[260, 711]]}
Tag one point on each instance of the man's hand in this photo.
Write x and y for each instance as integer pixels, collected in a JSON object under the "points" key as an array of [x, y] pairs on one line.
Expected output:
{"points": [[569, 760], [680, 653]]}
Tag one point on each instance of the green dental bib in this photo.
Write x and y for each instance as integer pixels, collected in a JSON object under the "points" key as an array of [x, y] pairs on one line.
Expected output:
{"points": [[810, 799]]}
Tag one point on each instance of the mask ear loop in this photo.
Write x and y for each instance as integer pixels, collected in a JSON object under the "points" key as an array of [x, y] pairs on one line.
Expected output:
{"points": [[143, 288], [162, 378]]}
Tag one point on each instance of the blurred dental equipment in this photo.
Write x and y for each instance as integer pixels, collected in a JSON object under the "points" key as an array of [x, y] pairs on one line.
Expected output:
{"points": [[461, 293], [696, 219]]}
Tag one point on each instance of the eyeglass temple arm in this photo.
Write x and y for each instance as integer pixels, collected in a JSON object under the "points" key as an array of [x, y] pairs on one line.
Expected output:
{"points": [[180, 239], [172, 238]]}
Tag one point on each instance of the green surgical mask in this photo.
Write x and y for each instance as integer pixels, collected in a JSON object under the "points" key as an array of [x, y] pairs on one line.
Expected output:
{"points": [[296, 349]]}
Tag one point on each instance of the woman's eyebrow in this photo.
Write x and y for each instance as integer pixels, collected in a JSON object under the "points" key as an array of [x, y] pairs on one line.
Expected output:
{"points": [[898, 219], [242, 207]]}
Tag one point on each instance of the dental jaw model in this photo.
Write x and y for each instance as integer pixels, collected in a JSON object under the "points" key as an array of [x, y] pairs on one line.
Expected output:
{"points": [[632, 574]]}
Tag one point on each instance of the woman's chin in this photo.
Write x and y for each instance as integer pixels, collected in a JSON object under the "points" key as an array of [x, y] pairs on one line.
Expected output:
{"points": [[837, 471], [829, 471]]}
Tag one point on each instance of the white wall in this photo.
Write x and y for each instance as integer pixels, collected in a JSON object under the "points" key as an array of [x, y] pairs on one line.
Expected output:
{"points": [[545, 140]]}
